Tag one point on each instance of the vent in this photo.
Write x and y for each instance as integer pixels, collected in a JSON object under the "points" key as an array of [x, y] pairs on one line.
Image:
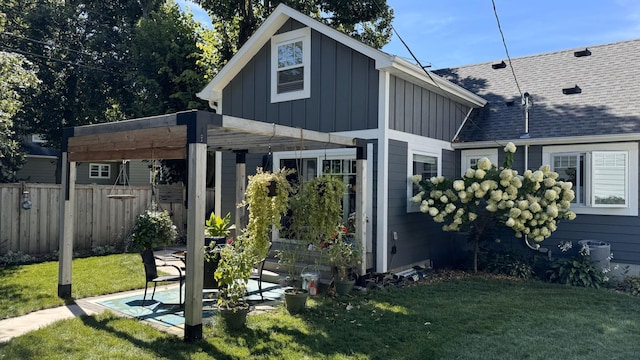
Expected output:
{"points": [[572, 90], [500, 65], [581, 53]]}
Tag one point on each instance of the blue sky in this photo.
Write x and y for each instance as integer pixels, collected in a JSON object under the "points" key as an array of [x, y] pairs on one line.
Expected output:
{"points": [[449, 33]]}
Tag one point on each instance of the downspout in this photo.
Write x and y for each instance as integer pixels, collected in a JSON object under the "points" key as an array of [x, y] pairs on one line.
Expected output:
{"points": [[527, 106]]}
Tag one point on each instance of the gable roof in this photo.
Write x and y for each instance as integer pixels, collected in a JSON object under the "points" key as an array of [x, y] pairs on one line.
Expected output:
{"points": [[384, 62], [606, 107]]}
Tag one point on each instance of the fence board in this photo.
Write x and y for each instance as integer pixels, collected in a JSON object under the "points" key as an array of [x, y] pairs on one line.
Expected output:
{"points": [[98, 220]]}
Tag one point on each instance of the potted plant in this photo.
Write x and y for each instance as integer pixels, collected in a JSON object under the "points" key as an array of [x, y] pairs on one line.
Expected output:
{"points": [[316, 209], [217, 231], [252, 245], [152, 229], [344, 254], [289, 254]]}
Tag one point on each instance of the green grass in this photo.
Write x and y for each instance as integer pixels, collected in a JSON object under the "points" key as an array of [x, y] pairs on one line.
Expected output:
{"points": [[26, 288], [465, 318]]}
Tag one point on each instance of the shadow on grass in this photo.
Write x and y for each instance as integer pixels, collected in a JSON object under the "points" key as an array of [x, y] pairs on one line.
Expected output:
{"points": [[176, 348]]}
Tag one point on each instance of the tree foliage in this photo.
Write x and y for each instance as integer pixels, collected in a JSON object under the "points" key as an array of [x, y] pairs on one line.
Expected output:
{"points": [[530, 204], [17, 79]]}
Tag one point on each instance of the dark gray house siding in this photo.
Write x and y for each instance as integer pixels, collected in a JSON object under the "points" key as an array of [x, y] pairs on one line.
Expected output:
{"points": [[344, 92], [38, 170], [419, 237], [228, 199], [415, 110]]}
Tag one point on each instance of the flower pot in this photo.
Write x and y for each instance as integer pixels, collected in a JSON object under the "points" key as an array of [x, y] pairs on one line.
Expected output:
{"points": [[234, 318], [343, 287], [295, 300]]}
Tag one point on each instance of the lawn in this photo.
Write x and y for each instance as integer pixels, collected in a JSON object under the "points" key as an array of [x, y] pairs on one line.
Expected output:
{"points": [[461, 317], [26, 288]]}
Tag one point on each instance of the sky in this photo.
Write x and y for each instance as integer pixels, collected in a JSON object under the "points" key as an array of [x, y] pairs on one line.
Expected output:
{"points": [[451, 33]]}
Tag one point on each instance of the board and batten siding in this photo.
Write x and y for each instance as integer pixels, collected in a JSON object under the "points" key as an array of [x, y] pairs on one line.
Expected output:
{"points": [[38, 170], [416, 110], [344, 90], [419, 237]]}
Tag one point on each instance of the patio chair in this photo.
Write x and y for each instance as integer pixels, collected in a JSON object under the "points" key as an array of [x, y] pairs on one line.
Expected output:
{"points": [[257, 274], [151, 274]]}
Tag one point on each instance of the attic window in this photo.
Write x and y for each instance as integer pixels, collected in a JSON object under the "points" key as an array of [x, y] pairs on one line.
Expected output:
{"points": [[500, 65], [572, 90], [290, 65], [581, 53]]}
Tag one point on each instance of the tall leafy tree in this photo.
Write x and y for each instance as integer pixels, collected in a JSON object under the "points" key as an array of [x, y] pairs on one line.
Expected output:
{"points": [[17, 77], [235, 21]]}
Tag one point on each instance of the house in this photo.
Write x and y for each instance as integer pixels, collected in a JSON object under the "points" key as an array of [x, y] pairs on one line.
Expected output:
{"points": [[576, 110], [298, 72]]}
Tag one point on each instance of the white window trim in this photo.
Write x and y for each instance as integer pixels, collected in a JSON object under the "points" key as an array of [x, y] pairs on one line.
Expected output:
{"points": [[329, 154], [419, 150], [632, 177], [38, 139], [100, 168], [303, 34], [467, 155]]}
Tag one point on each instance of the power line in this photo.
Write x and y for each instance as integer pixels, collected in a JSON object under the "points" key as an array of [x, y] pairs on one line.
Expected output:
{"points": [[62, 47], [506, 50], [56, 59]]}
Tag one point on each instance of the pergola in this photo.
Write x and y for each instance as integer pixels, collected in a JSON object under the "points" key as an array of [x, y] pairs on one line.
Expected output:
{"points": [[187, 135]]}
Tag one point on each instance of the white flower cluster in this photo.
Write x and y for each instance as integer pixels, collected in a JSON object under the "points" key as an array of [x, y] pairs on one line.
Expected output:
{"points": [[530, 204]]}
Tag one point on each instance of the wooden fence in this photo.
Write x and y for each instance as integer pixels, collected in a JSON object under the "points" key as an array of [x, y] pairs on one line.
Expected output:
{"points": [[99, 220]]}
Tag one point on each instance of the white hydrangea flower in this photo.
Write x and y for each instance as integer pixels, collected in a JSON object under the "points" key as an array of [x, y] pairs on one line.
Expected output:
{"points": [[537, 176], [416, 179], [510, 148], [449, 208], [546, 169], [470, 173], [514, 212], [444, 199], [480, 174], [424, 206], [472, 216], [570, 215], [492, 207], [418, 197], [484, 164], [550, 195], [433, 211], [510, 222], [549, 182], [458, 185]]}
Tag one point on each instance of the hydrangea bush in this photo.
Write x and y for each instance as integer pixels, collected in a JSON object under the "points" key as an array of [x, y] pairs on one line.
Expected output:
{"points": [[530, 204]]}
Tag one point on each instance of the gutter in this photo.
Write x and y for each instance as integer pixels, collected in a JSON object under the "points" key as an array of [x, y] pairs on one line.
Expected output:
{"points": [[590, 139]]}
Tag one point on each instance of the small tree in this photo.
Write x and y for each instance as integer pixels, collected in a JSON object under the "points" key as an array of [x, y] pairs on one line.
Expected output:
{"points": [[530, 204]]}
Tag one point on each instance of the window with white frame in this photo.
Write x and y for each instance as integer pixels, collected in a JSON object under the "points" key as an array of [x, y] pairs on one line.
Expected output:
{"points": [[470, 158], [425, 165], [38, 139], [99, 171], [334, 162], [604, 176], [290, 65]]}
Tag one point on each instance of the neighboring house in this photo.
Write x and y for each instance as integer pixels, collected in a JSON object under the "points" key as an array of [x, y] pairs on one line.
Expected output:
{"points": [[298, 72], [578, 112], [40, 162]]}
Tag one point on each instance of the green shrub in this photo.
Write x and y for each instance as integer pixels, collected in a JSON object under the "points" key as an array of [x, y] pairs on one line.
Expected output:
{"points": [[16, 258], [508, 264], [578, 270]]}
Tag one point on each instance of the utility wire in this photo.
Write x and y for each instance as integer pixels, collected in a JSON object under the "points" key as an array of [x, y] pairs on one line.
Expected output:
{"points": [[62, 47], [506, 50], [57, 60]]}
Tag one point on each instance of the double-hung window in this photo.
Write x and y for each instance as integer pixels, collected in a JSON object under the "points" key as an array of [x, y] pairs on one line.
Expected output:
{"points": [[424, 164], [604, 176], [290, 65], [470, 158], [99, 171]]}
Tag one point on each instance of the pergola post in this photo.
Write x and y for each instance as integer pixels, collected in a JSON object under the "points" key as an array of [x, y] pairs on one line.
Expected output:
{"points": [[196, 198], [361, 203], [241, 187], [67, 204]]}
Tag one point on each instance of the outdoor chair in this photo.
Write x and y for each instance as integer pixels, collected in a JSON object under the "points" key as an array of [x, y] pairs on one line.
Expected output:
{"points": [[151, 274], [256, 273]]}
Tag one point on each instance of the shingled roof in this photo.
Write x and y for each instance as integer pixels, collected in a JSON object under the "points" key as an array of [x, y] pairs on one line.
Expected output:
{"points": [[608, 100]]}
